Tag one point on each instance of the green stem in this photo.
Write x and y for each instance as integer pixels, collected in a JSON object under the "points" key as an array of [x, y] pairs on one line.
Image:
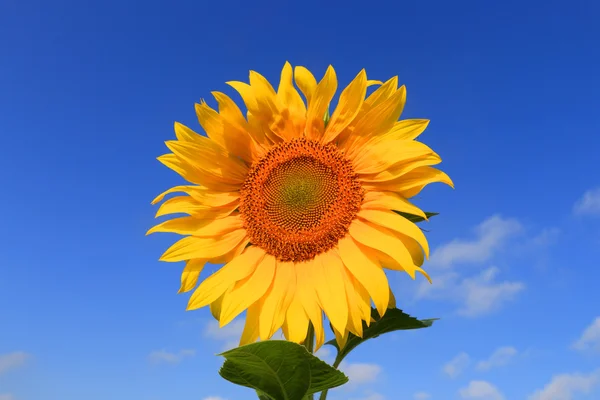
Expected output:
{"points": [[309, 343], [335, 364]]}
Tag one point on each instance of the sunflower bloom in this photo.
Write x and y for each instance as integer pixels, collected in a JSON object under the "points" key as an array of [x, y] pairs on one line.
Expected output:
{"points": [[303, 213]]}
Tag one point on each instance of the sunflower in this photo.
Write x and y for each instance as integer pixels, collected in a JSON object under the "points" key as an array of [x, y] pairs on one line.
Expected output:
{"points": [[305, 212]]}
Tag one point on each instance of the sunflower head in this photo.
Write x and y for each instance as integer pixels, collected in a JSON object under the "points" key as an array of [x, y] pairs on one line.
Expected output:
{"points": [[306, 215]]}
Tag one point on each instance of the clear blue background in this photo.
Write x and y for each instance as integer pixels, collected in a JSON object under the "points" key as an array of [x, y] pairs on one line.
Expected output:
{"points": [[90, 90]]}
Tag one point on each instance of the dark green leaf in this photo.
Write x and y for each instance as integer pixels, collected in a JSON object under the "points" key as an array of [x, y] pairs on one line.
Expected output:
{"points": [[416, 218], [393, 320], [279, 370]]}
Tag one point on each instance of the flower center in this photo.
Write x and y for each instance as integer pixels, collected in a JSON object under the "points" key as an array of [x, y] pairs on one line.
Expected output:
{"points": [[299, 199]]}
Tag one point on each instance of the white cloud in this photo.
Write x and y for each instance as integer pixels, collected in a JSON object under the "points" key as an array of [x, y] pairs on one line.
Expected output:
{"points": [[565, 386], [499, 357], [230, 334], [421, 396], [482, 295], [360, 373], [476, 295], [491, 236], [481, 390], [589, 204], [325, 354], [163, 356], [214, 398], [590, 339], [7, 396], [457, 365], [13, 360], [371, 396]]}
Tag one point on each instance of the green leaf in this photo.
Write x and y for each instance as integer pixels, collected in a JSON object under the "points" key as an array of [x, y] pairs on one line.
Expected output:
{"points": [[416, 218], [279, 370], [393, 320]]}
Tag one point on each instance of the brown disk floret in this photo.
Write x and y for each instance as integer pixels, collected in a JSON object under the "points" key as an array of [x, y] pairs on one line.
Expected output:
{"points": [[299, 199]]}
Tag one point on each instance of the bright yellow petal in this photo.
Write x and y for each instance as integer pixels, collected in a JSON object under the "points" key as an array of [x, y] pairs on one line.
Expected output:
{"points": [[406, 129], [277, 300], [199, 227], [306, 82], [307, 296], [248, 291], [398, 223], [353, 301], [341, 337], [190, 206], [385, 242], [247, 94], [192, 174], [367, 271], [230, 136], [190, 274], [196, 247], [250, 333], [296, 322], [318, 104], [390, 201], [187, 189], [215, 306], [288, 93], [382, 93], [326, 270], [411, 183], [349, 104], [396, 172], [385, 154], [235, 270], [362, 297]]}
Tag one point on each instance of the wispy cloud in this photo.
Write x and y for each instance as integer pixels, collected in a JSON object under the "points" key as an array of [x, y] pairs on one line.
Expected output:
{"points": [[566, 386], [457, 365], [7, 396], [481, 390], [491, 235], [589, 203], [477, 295], [13, 360], [166, 357], [371, 396], [229, 334], [361, 373], [421, 396], [214, 398], [590, 338], [500, 357]]}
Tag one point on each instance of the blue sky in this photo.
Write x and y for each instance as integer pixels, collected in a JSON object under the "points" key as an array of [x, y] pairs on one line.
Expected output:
{"points": [[90, 90]]}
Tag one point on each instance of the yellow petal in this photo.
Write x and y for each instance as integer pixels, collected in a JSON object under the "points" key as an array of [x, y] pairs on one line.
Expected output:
{"points": [[382, 93], [305, 81], [396, 172], [329, 285], [307, 296], [199, 227], [296, 322], [228, 135], [362, 297], [195, 247], [288, 93], [354, 312], [349, 104], [190, 206], [341, 337], [215, 306], [392, 300], [385, 154], [247, 94], [275, 301], [192, 174], [411, 183], [190, 274], [371, 82], [250, 333], [377, 121], [235, 270], [248, 291], [390, 201], [398, 223], [209, 158], [406, 129], [318, 104], [385, 242], [367, 271], [183, 189]]}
